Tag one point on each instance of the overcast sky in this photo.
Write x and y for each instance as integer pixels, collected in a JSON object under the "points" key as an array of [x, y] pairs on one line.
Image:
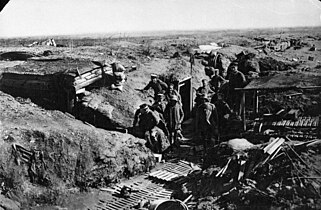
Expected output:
{"points": [[66, 17]]}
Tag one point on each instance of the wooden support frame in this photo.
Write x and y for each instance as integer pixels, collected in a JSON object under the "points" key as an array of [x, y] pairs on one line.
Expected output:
{"points": [[243, 110], [256, 101]]}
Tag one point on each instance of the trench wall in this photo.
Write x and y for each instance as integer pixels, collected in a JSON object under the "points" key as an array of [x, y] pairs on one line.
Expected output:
{"points": [[47, 91]]}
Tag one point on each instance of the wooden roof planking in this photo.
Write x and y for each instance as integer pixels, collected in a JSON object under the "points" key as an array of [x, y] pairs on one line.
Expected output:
{"points": [[77, 73], [285, 81]]}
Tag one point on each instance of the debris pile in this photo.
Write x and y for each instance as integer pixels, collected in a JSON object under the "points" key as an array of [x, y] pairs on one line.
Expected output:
{"points": [[158, 189], [278, 45], [280, 173], [269, 63], [300, 128]]}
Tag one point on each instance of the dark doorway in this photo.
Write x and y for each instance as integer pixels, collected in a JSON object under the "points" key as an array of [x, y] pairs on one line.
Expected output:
{"points": [[185, 90]]}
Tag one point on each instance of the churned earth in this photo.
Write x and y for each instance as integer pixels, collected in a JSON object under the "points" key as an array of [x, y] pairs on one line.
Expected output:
{"points": [[77, 156]]}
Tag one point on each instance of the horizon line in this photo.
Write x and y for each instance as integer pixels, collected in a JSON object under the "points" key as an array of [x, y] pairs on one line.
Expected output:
{"points": [[151, 33]]}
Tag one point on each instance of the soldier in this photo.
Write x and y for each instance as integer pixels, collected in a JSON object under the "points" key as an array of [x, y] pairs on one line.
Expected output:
{"points": [[236, 80], [216, 81], [204, 89], [206, 122], [212, 61], [159, 141], [201, 91], [157, 85], [159, 104], [146, 119], [172, 91], [223, 111], [174, 116], [119, 75], [151, 127]]}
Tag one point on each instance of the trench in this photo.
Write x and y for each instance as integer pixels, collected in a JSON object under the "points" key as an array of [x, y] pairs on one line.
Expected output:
{"points": [[56, 91], [62, 91]]}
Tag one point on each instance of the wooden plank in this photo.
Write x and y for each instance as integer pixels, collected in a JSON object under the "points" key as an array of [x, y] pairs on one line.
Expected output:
{"points": [[84, 70], [78, 72], [88, 82], [88, 73], [275, 146], [79, 81], [82, 90], [270, 145], [91, 76]]}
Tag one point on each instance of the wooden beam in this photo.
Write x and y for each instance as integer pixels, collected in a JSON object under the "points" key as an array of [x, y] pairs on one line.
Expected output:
{"points": [[88, 82], [278, 88], [243, 110], [256, 102]]}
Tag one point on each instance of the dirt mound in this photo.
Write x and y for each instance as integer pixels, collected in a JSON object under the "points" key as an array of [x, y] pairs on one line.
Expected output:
{"points": [[249, 63], [57, 66], [110, 109], [269, 64], [49, 149], [177, 69]]}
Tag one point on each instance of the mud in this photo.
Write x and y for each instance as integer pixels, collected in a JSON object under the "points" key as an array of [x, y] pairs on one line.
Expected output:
{"points": [[78, 155]]}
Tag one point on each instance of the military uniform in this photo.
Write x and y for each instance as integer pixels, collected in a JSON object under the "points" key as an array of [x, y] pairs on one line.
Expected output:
{"points": [[206, 122], [158, 86], [174, 116], [159, 106], [223, 109], [202, 91], [170, 93], [236, 80], [216, 82], [151, 128]]}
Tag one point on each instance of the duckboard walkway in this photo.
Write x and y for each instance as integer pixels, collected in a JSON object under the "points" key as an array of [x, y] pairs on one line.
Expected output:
{"points": [[152, 186]]}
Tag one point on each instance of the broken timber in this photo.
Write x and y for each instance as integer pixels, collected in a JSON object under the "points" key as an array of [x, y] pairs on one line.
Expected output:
{"points": [[174, 171], [146, 188]]}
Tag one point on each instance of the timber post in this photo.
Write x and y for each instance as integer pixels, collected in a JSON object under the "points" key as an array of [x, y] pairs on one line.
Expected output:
{"points": [[243, 110]]}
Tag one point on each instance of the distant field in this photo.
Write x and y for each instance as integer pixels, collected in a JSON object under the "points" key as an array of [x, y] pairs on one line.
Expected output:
{"points": [[100, 39]]}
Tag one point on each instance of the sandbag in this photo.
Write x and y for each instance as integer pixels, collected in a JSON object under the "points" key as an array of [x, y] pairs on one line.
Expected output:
{"points": [[240, 144]]}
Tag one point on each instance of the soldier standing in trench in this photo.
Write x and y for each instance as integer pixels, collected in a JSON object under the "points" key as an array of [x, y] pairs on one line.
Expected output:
{"points": [[172, 91], [159, 104], [216, 80], [236, 80], [223, 111], [174, 116], [147, 122], [206, 122], [202, 91], [156, 84]]}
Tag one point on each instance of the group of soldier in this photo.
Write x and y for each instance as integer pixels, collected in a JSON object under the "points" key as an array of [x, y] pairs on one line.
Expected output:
{"points": [[160, 123], [216, 100]]}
